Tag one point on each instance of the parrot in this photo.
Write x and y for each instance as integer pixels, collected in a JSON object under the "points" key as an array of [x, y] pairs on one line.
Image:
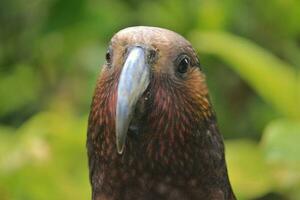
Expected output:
{"points": [[152, 131]]}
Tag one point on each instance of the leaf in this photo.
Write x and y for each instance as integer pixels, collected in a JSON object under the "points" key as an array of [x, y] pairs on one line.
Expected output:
{"points": [[248, 171], [48, 152], [19, 89], [280, 143], [273, 79]]}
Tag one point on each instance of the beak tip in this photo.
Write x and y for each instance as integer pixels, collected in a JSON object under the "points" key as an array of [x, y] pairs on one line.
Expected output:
{"points": [[120, 148], [120, 137]]}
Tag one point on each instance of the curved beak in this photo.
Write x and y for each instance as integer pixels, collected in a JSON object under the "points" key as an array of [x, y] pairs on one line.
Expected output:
{"points": [[134, 79]]}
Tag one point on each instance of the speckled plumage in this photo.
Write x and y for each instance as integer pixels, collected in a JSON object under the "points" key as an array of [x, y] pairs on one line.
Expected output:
{"points": [[175, 150]]}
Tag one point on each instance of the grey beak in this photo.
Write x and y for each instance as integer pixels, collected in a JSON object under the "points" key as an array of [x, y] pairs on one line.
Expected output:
{"points": [[134, 79]]}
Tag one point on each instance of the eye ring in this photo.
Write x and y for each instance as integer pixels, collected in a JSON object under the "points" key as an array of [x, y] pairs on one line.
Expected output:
{"points": [[183, 64]]}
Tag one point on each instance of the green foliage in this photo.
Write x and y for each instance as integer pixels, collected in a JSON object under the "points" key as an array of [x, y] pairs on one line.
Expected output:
{"points": [[22, 82], [50, 56], [247, 168], [281, 148], [273, 79], [32, 159]]}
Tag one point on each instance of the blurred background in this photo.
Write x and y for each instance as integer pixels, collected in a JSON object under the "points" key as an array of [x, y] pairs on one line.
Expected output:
{"points": [[51, 52]]}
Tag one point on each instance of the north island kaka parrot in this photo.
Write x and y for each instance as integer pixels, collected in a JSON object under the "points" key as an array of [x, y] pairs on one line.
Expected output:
{"points": [[152, 132]]}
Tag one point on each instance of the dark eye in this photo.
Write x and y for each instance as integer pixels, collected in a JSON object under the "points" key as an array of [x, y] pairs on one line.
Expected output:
{"points": [[108, 56], [183, 65]]}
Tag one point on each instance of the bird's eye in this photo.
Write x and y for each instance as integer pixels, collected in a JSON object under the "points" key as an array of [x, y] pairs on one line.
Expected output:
{"points": [[108, 56], [183, 65]]}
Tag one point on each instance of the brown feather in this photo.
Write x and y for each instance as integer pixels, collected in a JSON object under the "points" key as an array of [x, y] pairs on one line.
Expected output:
{"points": [[178, 152]]}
